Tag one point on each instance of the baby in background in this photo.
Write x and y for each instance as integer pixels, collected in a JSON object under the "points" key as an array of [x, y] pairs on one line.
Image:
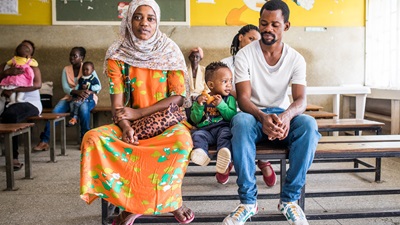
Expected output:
{"points": [[87, 82], [211, 113], [23, 60]]}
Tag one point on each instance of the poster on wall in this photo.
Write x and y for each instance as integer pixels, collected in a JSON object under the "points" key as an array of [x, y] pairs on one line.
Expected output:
{"points": [[9, 7], [302, 12]]}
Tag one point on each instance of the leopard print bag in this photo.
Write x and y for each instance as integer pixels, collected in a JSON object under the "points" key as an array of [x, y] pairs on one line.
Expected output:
{"points": [[156, 123]]}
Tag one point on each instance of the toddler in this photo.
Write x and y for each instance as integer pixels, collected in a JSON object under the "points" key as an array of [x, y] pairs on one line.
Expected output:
{"points": [[87, 82], [23, 60], [211, 113]]}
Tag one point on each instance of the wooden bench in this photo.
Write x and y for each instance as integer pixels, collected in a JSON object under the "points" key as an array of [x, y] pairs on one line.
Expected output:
{"points": [[356, 125], [96, 111], [312, 110], [95, 114], [9, 131], [311, 107], [54, 118], [347, 147], [320, 114]]}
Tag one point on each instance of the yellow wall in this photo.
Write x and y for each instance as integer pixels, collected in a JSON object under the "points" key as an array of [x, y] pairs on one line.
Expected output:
{"points": [[30, 12], [240, 12], [223, 12]]}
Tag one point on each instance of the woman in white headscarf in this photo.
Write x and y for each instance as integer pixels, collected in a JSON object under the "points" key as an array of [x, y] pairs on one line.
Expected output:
{"points": [[140, 176], [196, 73]]}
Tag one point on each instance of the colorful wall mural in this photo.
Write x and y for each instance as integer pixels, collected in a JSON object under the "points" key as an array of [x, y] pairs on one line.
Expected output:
{"points": [[302, 12]]}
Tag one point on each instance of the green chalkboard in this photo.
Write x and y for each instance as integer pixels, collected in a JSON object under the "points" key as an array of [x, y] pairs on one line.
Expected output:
{"points": [[109, 11]]}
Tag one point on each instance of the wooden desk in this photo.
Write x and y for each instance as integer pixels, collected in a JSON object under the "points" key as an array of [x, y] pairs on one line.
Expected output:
{"points": [[54, 119], [10, 130]]}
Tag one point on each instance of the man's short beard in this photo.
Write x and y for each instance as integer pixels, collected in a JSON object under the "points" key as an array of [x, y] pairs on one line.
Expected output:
{"points": [[268, 42]]}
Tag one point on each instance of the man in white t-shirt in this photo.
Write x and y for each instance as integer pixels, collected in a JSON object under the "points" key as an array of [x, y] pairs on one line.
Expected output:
{"points": [[263, 71]]}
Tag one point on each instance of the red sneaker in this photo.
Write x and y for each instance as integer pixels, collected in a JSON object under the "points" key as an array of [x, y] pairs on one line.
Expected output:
{"points": [[269, 180], [223, 178]]}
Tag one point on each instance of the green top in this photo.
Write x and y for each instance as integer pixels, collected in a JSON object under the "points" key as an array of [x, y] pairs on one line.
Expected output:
{"points": [[208, 114]]}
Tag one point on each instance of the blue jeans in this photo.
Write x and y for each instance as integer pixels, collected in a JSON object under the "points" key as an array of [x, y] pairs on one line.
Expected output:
{"points": [[63, 106], [220, 135], [18, 113], [302, 142]]}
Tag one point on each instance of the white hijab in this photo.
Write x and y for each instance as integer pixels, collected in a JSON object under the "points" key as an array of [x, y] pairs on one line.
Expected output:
{"points": [[158, 52]]}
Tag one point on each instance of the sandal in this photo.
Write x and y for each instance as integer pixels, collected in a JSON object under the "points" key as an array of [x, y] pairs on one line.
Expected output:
{"points": [[128, 220], [191, 218], [270, 180]]}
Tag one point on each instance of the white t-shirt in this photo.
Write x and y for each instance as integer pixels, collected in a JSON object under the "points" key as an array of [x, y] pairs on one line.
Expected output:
{"points": [[269, 84], [229, 62]]}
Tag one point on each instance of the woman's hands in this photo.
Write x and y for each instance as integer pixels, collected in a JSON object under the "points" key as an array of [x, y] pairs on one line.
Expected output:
{"points": [[83, 94], [128, 135], [126, 113], [13, 71], [122, 117], [7, 93]]}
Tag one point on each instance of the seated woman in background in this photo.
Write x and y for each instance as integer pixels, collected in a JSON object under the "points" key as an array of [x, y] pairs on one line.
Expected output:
{"points": [[196, 73], [245, 36], [147, 73], [31, 105], [69, 80]]}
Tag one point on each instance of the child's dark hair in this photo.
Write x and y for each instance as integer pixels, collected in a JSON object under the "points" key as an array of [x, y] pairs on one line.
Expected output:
{"points": [[235, 42], [23, 51], [211, 68], [88, 63], [82, 51], [27, 41], [272, 5]]}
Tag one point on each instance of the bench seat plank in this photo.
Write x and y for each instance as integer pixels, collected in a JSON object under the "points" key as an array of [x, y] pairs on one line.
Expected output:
{"points": [[347, 123], [352, 139], [13, 127], [320, 114]]}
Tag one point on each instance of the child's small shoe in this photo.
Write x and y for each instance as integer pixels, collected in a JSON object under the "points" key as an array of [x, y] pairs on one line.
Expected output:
{"points": [[223, 160], [223, 178], [223, 165], [72, 122], [199, 157]]}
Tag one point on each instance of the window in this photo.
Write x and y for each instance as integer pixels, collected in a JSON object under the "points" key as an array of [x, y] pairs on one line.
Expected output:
{"points": [[383, 44]]}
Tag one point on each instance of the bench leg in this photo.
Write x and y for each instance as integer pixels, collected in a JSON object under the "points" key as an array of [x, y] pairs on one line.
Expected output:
{"points": [[52, 141], [302, 200], [63, 137], [355, 163], [283, 174], [104, 212], [107, 211], [28, 158], [9, 163], [378, 165]]}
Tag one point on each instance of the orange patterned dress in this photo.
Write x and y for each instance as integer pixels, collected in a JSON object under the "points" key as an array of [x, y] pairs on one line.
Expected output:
{"points": [[144, 178]]}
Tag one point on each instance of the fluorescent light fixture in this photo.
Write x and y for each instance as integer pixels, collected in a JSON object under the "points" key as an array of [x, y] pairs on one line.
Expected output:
{"points": [[315, 29]]}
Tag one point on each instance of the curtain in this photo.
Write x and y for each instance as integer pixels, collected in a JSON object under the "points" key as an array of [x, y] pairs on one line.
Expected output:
{"points": [[383, 44]]}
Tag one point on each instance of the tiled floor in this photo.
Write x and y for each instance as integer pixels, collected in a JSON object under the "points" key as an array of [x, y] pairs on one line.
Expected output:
{"points": [[52, 197]]}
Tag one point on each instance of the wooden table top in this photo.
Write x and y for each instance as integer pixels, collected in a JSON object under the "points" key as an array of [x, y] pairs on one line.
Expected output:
{"points": [[48, 116], [13, 127]]}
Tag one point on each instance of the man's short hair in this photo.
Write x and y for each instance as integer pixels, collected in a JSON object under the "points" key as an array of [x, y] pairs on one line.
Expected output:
{"points": [[272, 5]]}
